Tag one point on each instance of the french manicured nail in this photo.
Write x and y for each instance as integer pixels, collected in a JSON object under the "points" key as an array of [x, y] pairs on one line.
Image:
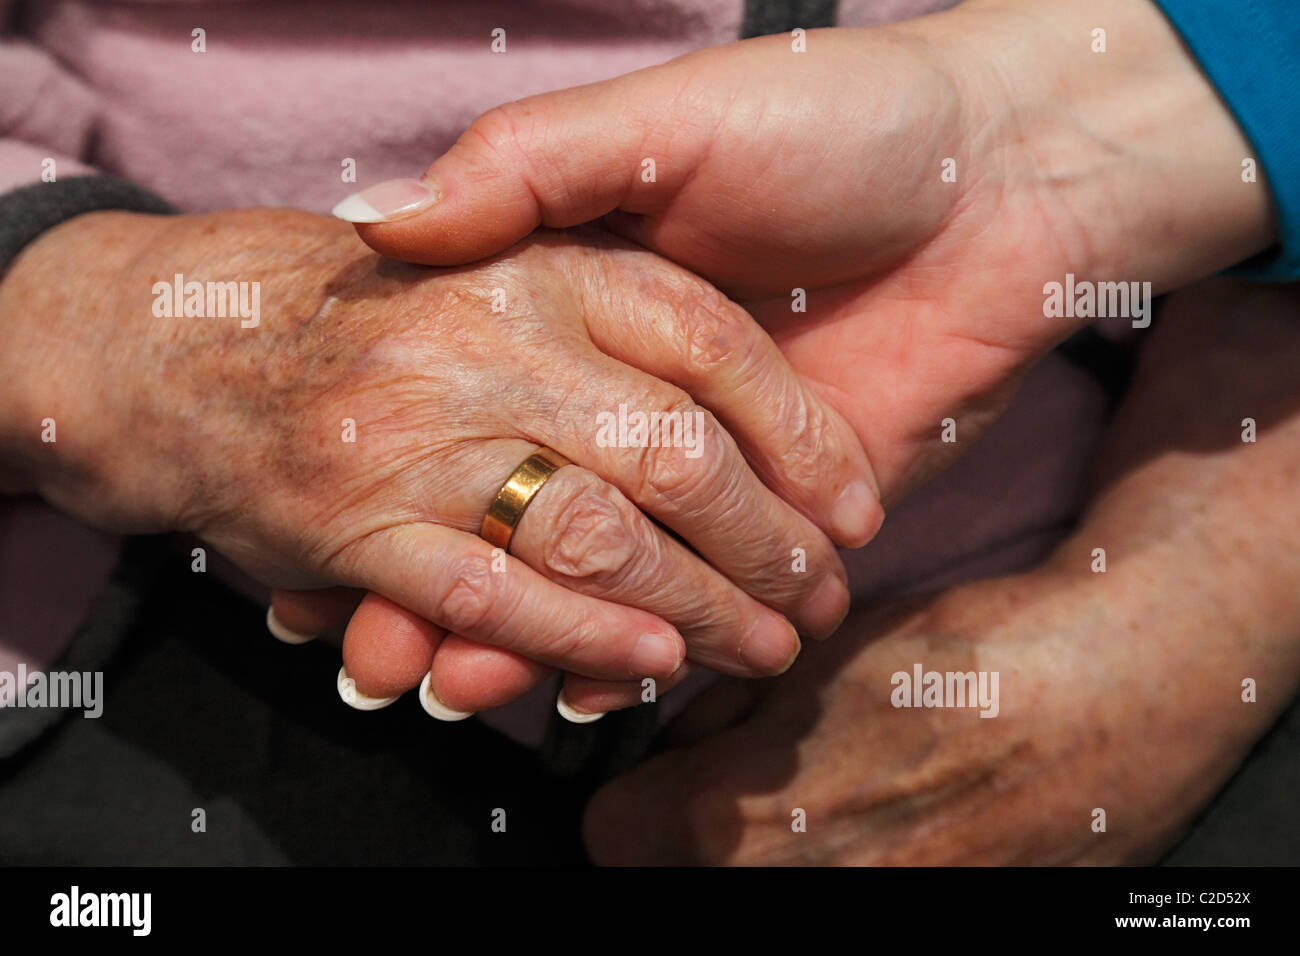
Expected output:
{"points": [[386, 201], [823, 613], [655, 655], [575, 716], [772, 645], [282, 633], [855, 516], [357, 700], [434, 707]]}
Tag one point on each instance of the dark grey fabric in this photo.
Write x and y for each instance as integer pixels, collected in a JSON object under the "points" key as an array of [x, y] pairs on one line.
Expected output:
{"points": [[25, 213], [28, 211], [113, 614], [204, 710], [1255, 819], [765, 17]]}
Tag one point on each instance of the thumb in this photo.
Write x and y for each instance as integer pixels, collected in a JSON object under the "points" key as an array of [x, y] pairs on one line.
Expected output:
{"points": [[558, 159]]}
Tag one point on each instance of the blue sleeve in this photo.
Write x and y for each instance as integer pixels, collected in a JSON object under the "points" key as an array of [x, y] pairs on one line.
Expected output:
{"points": [[1250, 50]]}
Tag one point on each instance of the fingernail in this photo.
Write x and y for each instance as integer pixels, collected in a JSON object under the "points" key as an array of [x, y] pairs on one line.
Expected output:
{"points": [[357, 700], [386, 201], [282, 633], [655, 655], [856, 515], [771, 646], [575, 716], [436, 708], [823, 613]]}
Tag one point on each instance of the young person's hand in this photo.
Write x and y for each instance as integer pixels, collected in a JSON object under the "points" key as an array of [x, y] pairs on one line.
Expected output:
{"points": [[921, 182], [918, 184]]}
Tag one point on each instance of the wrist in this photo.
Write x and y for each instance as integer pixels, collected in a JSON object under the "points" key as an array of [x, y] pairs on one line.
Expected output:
{"points": [[1128, 145], [57, 329]]}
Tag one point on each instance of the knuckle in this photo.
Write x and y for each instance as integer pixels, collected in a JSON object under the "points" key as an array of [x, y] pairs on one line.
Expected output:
{"points": [[806, 439], [781, 590], [592, 538], [580, 643], [669, 476], [787, 591], [469, 594], [502, 130], [672, 469], [714, 333], [522, 132]]}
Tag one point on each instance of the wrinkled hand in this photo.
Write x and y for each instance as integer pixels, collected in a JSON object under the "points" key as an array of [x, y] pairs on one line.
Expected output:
{"points": [[919, 184], [245, 435], [1120, 691], [824, 171]]}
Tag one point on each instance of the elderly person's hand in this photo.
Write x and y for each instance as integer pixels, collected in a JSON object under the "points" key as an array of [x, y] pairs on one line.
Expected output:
{"points": [[1121, 690], [920, 182], [355, 431], [891, 204]]}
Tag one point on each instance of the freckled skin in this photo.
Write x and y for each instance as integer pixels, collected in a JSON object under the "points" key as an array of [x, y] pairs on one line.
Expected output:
{"points": [[924, 295], [344, 334], [272, 399], [1119, 690], [377, 400]]}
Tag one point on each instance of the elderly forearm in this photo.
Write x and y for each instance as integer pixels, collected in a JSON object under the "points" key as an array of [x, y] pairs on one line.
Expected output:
{"points": [[1200, 525]]}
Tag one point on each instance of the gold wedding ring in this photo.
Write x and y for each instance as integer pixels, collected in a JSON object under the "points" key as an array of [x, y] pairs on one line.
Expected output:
{"points": [[513, 498]]}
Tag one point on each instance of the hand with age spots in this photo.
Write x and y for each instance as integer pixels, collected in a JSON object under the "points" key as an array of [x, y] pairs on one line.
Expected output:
{"points": [[924, 292], [627, 561], [1120, 691]]}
